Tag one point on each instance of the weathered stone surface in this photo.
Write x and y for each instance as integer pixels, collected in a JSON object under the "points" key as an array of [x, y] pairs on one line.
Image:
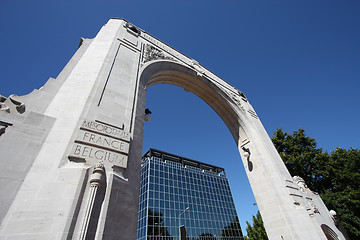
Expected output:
{"points": [[52, 138]]}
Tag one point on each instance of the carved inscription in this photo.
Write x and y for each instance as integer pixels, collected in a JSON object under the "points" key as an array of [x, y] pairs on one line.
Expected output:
{"points": [[98, 154], [105, 142], [105, 129], [98, 141]]}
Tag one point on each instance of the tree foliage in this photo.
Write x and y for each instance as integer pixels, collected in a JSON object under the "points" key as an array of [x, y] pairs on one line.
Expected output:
{"points": [[257, 230], [335, 176]]}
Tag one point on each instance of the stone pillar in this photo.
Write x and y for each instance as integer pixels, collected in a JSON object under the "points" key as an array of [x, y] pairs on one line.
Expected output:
{"points": [[95, 183]]}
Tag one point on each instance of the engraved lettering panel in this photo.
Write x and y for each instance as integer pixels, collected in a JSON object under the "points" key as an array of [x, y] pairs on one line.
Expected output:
{"points": [[101, 141], [98, 141], [81, 151], [105, 130]]}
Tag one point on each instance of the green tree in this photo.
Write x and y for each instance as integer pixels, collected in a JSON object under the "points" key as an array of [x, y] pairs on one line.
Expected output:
{"points": [[301, 156], [257, 230], [334, 176], [343, 191]]}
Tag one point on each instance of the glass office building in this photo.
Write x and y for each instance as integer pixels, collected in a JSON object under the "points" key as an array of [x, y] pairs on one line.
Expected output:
{"points": [[177, 191]]}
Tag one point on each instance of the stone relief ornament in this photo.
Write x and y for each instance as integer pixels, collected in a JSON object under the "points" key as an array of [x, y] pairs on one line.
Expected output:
{"points": [[3, 106], [152, 53], [20, 106], [313, 209], [301, 183], [303, 187], [3, 126], [132, 29], [236, 99], [2, 98], [2, 129], [199, 69]]}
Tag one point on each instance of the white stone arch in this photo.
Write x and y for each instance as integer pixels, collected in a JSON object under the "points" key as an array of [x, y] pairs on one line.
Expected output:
{"points": [[105, 83], [267, 174], [169, 72]]}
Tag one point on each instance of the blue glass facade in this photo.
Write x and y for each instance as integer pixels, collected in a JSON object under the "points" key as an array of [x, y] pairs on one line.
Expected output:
{"points": [[178, 191]]}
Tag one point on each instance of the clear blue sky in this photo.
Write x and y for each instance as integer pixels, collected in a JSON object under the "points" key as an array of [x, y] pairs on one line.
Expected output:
{"points": [[298, 62]]}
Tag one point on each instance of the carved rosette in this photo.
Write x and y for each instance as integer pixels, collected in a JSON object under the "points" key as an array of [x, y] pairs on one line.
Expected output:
{"points": [[152, 53]]}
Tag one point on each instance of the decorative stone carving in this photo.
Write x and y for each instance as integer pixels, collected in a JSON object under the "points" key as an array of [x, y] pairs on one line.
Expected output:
{"points": [[3, 126], [199, 69], [152, 53], [4, 107], [301, 183], [131, 28], [334, 217], [236, 99], [2, 98], [20, 106], [247, 156], [2, 130], [313, 209]]}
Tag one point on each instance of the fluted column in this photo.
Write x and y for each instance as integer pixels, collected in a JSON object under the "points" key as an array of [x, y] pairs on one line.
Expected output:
{"points": [[95, 182]]}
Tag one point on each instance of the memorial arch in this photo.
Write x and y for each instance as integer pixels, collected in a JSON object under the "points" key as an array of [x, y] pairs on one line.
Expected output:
{"points": [[81, 180], [160, 72]]}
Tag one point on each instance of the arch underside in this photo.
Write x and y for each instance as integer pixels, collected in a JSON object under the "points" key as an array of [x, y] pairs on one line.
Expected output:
{"points": [[165, 72]]}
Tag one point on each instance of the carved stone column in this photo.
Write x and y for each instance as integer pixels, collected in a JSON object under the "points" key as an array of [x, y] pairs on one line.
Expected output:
{"points": [[95, 182]]}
